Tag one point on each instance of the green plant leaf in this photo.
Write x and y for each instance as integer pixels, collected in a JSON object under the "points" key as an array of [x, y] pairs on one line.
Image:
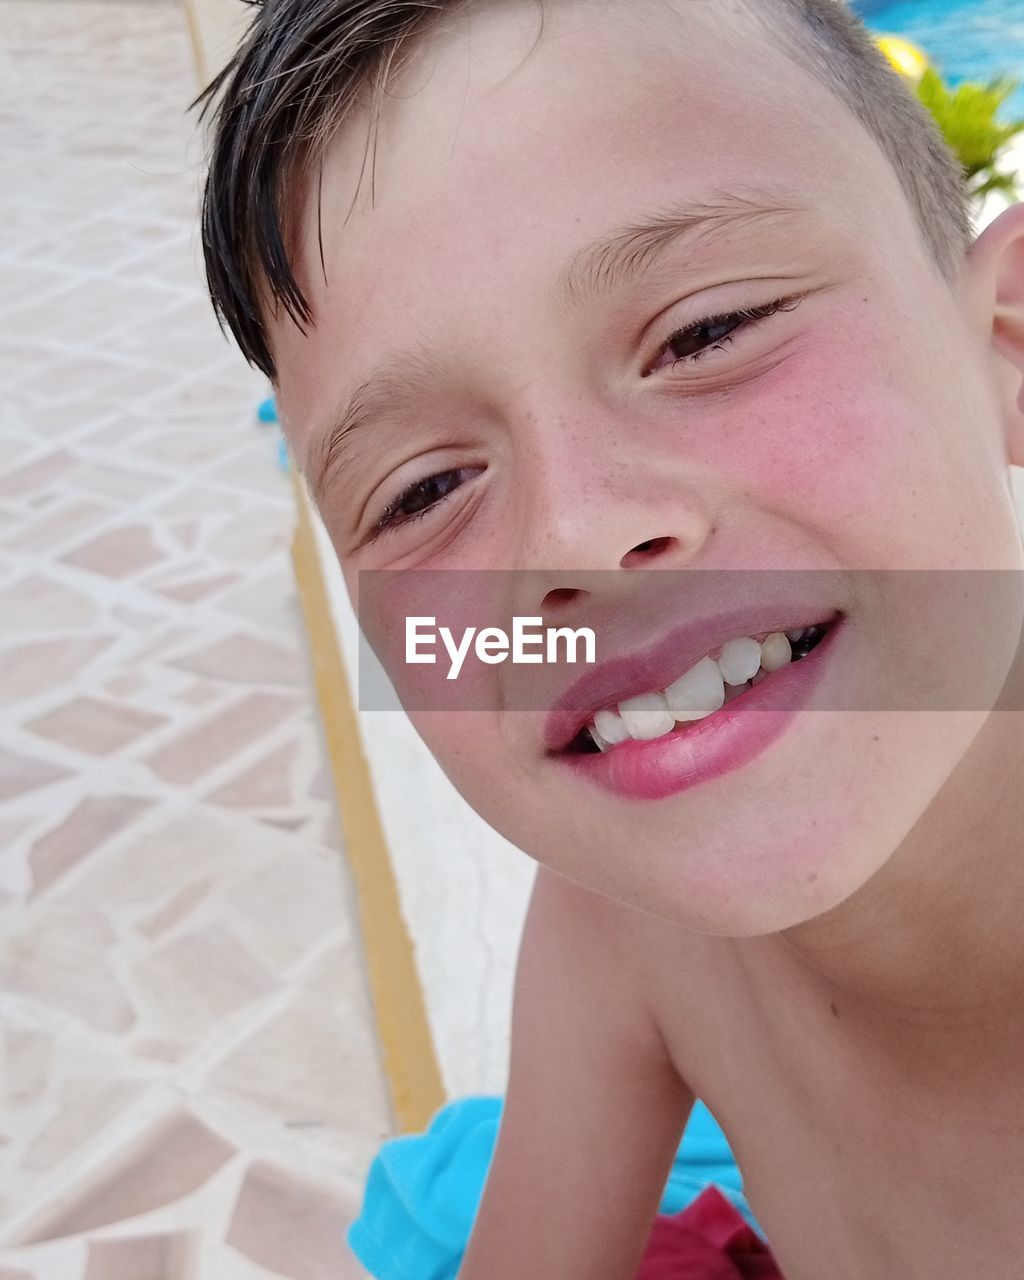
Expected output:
{"points": [[968, 119]]}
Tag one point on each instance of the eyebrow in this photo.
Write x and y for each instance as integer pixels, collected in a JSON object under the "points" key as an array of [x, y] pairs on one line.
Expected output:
{"points": [[614, 260], [399, 381], [599, 268]]}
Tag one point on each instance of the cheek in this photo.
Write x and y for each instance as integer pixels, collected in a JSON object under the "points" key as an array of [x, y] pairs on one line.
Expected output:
{"points": [[860, 444], [422, 626]]}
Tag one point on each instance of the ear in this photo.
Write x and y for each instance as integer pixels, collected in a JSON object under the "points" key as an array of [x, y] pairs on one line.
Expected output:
{"points": [[994, 284]]}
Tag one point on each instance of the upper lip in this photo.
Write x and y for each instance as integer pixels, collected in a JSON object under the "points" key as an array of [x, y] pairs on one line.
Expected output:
{"points": [[657, 667]]}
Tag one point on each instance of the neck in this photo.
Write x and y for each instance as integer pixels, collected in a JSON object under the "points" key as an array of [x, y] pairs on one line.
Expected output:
{"points": [[924, 964]]}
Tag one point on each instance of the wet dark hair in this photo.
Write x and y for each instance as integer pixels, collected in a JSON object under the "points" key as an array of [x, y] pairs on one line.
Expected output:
{"points": [[303, 66]]}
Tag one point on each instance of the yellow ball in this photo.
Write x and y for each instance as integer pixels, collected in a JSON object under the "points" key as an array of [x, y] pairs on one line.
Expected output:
{"points": [[907, 58]]}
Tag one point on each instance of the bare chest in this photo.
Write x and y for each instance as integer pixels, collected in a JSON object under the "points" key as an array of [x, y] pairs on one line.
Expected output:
{"points": [[845, 1182]]}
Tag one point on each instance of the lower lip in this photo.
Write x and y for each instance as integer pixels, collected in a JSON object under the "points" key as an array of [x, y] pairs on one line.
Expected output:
{"points": [[713, 747]]}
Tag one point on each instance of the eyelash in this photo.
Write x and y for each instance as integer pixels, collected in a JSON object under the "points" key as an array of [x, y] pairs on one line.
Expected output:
{"points": [[744, 318], [386, 520]]}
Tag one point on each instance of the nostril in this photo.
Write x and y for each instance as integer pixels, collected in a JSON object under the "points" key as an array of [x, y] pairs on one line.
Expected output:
{"points": [[560, 595], [646, 551]]}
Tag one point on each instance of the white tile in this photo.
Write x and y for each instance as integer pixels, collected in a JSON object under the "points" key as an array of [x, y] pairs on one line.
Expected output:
{"points": [[151, 957]]}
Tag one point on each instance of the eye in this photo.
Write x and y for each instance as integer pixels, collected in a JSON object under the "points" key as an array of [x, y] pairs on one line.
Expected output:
{"points": [[692, 343], [422, 496]]}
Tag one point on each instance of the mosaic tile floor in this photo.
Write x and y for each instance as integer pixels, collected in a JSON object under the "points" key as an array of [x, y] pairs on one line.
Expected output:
{"points": [[191, 1082]]}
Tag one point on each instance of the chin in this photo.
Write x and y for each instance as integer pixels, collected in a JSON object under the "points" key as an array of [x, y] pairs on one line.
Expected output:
{"points": [[744, 880]]}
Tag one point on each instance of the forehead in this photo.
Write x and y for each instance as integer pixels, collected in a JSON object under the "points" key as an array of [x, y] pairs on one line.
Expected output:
{"points": [[503, 149]]}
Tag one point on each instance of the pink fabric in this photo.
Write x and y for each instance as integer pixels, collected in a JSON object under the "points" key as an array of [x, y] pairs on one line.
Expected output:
{"points": [[709, 1240]]}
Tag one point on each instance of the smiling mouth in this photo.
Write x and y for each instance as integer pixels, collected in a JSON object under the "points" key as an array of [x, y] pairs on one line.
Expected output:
{"points": [[718, 679]]}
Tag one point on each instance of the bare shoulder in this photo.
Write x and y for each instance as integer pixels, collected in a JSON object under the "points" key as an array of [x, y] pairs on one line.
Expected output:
{"points": [[637, 943], [605, 946], [657, 981], [610, 929]]}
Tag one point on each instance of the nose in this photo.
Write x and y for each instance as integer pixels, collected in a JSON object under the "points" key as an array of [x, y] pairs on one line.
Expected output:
{"points": [[649, 554], [644, 553], [587, 522], [654, 553]]}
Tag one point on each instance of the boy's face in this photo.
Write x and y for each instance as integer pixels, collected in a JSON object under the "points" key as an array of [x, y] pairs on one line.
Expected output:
{"points": [[866, 427]]}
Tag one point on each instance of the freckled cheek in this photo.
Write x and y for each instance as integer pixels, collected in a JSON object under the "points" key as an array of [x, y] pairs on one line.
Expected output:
{"points": [[833, 444]]}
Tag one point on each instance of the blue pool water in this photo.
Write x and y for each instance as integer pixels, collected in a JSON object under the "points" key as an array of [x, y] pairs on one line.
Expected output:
{"points": [[966, 39]]}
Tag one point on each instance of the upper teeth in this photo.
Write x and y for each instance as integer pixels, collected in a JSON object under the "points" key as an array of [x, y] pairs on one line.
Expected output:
{"points": [[697, 693]]}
